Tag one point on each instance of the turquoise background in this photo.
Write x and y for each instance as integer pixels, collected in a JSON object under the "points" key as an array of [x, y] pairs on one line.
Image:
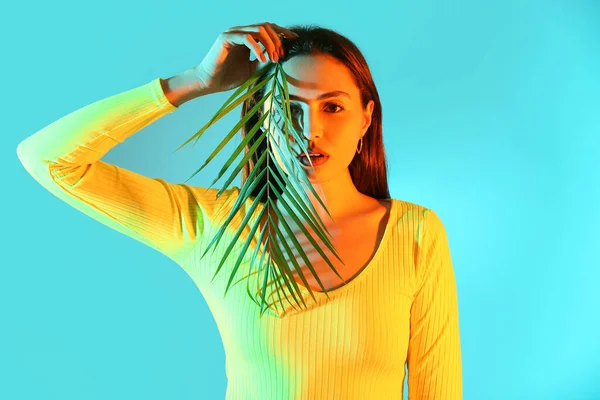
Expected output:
{"points": [[491, 118]]}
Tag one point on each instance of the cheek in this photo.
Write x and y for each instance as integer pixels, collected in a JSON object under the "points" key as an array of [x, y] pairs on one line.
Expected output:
{"points": [[344, 145]]}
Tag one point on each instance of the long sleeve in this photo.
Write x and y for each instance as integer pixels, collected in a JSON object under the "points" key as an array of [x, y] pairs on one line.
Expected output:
{"points": [[64, 157], [434, 355]]}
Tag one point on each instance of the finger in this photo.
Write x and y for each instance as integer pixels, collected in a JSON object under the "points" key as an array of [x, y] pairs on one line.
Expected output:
{"points": [[251, 43], [287, 32], [274, 38], [260, 34], [265, 33]]}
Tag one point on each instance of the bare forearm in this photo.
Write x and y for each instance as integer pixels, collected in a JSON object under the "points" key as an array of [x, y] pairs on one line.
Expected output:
{"points": [[182, 87]]}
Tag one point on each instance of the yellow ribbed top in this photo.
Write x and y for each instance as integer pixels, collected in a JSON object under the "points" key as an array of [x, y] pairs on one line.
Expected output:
{"points": [[401, 309]]}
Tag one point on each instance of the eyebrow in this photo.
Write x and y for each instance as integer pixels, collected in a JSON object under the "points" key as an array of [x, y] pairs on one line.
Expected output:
{"points": [[327, 95]]}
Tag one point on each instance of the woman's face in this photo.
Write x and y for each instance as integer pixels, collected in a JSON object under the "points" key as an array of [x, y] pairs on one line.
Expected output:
{"points": [[334, 123]]}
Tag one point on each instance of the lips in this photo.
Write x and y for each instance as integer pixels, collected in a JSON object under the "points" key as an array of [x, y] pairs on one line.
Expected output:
{"points": [[315, 150], [314, 161]]}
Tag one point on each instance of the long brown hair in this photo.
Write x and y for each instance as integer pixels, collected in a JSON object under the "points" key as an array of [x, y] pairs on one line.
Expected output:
{"points": [[368, 169]]}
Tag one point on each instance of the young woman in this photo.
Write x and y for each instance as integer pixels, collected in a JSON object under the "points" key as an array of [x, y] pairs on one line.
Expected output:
{"points": [[397, 302]]}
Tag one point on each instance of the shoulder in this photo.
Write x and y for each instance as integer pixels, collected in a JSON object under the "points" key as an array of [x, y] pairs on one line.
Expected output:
{"points": [[409, 213], [415, 220]]}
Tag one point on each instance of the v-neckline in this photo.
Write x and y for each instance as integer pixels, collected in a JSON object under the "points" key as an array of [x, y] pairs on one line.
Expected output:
{"points": [[390, 214], [364, 271]]}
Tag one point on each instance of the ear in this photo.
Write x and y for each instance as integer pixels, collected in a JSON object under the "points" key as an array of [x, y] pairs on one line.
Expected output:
{"points": [[368, 113]]}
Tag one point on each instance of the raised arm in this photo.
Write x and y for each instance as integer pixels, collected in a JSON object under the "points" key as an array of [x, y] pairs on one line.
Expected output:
{"points": [[64, 157]]}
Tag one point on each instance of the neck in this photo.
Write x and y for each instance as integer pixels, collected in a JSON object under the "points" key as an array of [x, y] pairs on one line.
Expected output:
{"points": [[338, 193]]}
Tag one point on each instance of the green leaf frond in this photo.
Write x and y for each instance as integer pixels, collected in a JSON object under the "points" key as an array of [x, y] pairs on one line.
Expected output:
{"points": [[226, 107], [268, 260]]}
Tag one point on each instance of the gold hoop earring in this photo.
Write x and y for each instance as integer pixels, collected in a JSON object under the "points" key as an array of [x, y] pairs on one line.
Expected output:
{"points": [[361, 144]]}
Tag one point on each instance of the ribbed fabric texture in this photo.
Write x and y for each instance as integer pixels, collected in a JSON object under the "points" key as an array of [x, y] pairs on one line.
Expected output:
{"points": [[351, 343]]}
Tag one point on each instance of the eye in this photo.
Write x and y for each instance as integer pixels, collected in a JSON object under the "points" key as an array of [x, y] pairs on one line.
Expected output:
{"points": [[295, 107], [335, 105]]}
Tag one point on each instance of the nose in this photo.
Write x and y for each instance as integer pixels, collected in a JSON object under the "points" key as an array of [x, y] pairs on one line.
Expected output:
{"points": [[311, 128]]}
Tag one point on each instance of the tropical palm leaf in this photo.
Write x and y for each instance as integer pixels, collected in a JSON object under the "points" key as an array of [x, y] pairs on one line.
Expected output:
{"points": [[274, 236]]}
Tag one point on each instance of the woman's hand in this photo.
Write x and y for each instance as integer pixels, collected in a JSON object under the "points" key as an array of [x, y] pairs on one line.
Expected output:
{"points": [[235, 55]]}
